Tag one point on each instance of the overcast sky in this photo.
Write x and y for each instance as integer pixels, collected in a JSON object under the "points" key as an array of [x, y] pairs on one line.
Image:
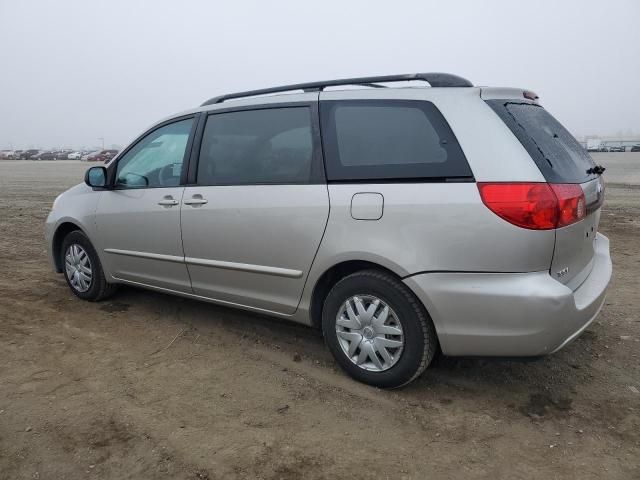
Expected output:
{"points": [[72, 71]]}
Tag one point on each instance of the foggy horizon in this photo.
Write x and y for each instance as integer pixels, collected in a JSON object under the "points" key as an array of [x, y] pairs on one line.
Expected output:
{"points": [[75, 72]]}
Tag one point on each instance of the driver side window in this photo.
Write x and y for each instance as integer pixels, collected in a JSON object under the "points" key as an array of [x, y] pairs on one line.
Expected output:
{"points": [[156, 160]]}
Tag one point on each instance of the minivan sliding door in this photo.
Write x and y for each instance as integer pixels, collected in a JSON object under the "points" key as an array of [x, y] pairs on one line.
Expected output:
{"points": [[253, 221]]}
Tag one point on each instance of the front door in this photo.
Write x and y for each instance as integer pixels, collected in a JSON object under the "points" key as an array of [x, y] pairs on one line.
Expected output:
{"points": [[138, 220], [253, 222]]}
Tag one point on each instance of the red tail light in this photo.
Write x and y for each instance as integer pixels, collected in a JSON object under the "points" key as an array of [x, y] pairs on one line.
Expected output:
{"points": [[571, 203], [536, 206]]}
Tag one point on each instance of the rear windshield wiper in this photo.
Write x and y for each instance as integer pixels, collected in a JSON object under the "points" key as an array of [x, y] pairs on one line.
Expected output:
{"points": [[598, 170]]}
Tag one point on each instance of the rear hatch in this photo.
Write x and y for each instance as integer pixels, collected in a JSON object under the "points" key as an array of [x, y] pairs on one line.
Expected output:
{"points": [[562, 160]]}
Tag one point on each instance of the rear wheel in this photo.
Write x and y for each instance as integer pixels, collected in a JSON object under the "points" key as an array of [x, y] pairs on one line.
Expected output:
{"points": [[377, 330], [82, 268]]}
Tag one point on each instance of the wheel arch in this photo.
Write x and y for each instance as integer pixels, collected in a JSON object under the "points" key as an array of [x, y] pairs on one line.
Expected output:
{"points": [[333, 275], [62, 230]]}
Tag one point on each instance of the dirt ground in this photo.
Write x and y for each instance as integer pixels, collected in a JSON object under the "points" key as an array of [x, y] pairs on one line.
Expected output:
{"points": [[150, 386]]}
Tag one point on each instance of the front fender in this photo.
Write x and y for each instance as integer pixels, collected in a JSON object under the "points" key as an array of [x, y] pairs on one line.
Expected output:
{"points": [[73, 210]]}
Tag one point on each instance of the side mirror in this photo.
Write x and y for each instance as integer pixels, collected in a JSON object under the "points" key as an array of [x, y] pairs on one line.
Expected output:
{"points": [[96, 177]]}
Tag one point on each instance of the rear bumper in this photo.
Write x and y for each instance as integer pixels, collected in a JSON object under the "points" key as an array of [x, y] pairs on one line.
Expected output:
{"points": [[511, 314]]}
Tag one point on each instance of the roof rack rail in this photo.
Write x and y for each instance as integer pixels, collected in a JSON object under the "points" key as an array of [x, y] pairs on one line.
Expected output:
{"points": [[433, 79]]}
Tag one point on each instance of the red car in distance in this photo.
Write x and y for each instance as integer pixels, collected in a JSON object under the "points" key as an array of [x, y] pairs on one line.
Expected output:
{"points": [[102, 156]]}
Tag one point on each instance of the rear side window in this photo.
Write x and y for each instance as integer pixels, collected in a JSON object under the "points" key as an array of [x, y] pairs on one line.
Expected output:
{"points": [[559, 156], [389, 139], [257, 147]]}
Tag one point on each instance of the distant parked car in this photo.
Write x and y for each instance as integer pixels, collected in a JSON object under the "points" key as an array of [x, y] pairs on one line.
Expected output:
{"points": [[62, 154], [46, 155], [27, 154], [108, 155], [635, 148], [603, 149], [8, 154], [619, 148], [92, 157], [74, 156], [16, 155], [85, 156], [102, 156]]}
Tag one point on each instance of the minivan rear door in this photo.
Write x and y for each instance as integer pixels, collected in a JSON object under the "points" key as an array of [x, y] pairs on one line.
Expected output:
{"points": [[562, 160]]}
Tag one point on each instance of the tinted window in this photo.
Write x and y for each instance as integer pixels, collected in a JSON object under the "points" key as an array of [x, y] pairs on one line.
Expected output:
{"points": [[156, 160], [257, 147], [559, 156], [394, 139]]}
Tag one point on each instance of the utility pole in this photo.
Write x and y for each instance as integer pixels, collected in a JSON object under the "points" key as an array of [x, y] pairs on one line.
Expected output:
{"points": [[102, 139]]}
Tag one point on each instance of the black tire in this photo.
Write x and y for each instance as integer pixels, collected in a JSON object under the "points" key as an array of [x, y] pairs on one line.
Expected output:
{"points": [[420, 339], [99, 288]]}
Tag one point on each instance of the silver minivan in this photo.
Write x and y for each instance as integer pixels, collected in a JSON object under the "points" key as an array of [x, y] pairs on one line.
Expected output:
{"points": [[399, 219]]}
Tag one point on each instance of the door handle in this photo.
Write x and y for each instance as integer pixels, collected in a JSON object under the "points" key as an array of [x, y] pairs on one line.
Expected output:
{"points": [[195, 200], [168, 201]]}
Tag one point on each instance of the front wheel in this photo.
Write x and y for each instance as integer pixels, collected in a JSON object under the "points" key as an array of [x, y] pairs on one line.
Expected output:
{"points": [[377, 329], [82, 268]]}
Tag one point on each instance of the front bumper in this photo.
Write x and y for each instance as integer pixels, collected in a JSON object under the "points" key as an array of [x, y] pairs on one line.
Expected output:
{"points": [[49, 227], [511, 314]]}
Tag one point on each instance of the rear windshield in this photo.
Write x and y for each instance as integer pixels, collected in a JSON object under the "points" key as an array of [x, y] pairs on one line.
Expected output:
{"points": [[559, 156]]}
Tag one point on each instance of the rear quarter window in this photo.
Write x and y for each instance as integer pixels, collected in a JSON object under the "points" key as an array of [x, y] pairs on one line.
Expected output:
{"points": [[389, 139], [559, 156]]}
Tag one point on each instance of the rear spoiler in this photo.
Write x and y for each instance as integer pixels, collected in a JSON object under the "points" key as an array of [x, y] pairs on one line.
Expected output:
{"points": [[506, 93]]}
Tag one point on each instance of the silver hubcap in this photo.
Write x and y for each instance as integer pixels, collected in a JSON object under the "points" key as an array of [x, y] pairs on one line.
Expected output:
{"points": [[78, 268], [370, 333]]}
